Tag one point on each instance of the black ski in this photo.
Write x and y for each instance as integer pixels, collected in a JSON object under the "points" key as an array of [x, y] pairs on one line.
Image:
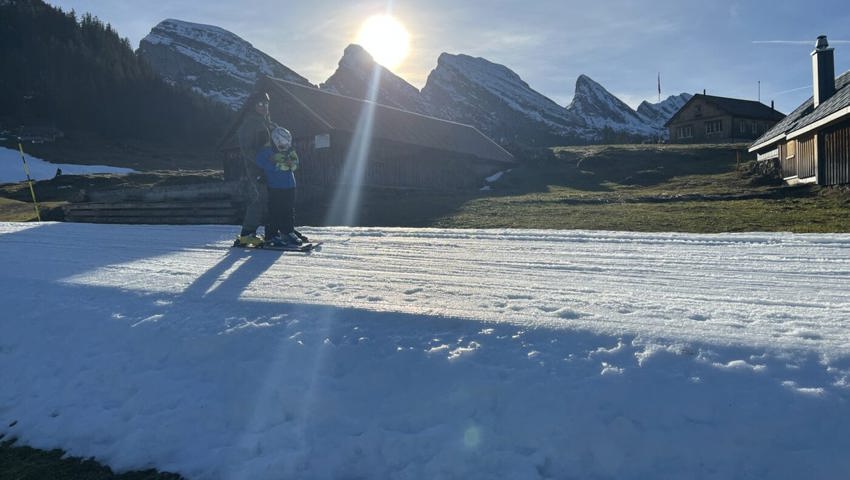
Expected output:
{"points": [[304, 248]]}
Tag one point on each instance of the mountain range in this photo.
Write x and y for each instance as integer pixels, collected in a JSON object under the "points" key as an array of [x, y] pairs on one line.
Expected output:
{"points": [[220, 65]]}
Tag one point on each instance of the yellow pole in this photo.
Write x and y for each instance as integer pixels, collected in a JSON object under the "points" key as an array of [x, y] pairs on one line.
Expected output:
{"points": [[29, 180]]}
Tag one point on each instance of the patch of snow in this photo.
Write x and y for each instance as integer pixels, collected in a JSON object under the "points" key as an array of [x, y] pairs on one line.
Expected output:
{"points": [[12, 167]]}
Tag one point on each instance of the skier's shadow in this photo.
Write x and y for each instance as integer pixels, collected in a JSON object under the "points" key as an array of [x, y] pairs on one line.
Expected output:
{"points": [[244, 266]]}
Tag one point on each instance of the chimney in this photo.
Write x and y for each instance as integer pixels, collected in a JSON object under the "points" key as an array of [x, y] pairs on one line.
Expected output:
{"points": [[823, 71], [771, 105]]}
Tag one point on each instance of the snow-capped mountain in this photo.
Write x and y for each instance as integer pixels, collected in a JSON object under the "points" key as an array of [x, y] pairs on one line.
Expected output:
{"points": [[497, 101], [212, 61], [602, 110], [657, 114], [220, 65], [354, 75]]}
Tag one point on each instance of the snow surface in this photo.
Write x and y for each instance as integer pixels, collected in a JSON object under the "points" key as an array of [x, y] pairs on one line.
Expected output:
{"points": [[12, 167], [410, 353]]}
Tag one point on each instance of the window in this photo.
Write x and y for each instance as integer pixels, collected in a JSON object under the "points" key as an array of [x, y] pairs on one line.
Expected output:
{"points": [[685, 132], [713, 127]]}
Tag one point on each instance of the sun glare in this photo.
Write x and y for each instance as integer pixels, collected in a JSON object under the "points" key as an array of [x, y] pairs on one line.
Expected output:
{"points": [[386, 39]]}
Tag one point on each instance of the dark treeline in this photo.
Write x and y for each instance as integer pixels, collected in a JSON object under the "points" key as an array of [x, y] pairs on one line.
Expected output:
{"points": [[78, 74]]}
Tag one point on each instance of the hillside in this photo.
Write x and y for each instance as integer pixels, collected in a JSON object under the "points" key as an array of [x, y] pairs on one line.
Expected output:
{"points": [[79, 76]]}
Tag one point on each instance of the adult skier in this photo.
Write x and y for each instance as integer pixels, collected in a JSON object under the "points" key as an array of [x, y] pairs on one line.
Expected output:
{"points": [[254, 134]]}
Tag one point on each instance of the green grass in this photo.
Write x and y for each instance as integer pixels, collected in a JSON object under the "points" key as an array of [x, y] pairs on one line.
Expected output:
{"points": [[699, 189], [25, 463]]}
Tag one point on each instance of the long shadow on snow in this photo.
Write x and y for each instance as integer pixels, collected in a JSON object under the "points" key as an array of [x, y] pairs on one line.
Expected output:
{"points": [[310, 378]]}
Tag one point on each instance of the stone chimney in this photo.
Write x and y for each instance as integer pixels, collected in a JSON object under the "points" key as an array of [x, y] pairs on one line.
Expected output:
{"points": [[823, 71]]}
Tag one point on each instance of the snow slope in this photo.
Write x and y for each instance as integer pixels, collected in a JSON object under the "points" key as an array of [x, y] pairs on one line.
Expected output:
{"points": [[12, 167], [405, 353]]}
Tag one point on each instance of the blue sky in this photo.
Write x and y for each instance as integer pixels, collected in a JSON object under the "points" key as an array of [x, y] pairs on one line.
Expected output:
{"points": [[725, 47]]}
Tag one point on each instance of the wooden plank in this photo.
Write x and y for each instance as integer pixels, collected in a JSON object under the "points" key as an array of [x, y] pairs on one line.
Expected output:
{"points": [[171, 192], [219, 220], [162, 218], [149, 205], [150, 213]]}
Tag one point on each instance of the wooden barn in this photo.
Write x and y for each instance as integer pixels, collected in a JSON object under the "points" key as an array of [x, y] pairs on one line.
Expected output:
{"points": [[407, 150], [710, 119], [812, 144]]}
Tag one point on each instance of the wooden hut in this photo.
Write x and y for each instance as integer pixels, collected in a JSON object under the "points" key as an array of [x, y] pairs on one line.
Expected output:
{"points": [[812, 144], [711, 119], [406, 150]]}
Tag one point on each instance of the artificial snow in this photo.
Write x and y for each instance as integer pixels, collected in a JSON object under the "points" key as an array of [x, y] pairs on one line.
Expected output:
{"points": [[425, 353], [12, 167]]}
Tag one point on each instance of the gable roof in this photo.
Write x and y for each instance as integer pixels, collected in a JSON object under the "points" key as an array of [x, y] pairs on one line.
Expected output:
{"points": [[733, 106], [341, 113], [806, 115]]}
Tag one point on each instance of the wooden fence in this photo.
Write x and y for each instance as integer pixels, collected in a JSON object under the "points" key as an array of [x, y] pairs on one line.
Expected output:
{"points": [[198, 204]]}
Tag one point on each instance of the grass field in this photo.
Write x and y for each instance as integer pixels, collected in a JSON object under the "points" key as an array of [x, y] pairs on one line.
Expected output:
{"points": [[698, 189]]}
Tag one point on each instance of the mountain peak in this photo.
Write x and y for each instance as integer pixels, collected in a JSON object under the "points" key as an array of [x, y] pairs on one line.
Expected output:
{"points": [[582, 79], [496, 100], [355, 56], [657, 114], [603, 110], [354, 75], [210, 60]]}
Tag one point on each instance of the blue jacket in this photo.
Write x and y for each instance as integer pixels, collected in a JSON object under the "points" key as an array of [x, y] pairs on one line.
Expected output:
{"points": [[278, 167]]}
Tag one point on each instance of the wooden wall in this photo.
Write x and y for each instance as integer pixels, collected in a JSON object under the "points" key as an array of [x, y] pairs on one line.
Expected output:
{"points": [[807, 157], [392, 165], [836, 155], [799, 158]]}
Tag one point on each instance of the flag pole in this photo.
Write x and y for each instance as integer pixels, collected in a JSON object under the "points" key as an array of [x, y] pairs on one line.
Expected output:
{"points": [[29, 180]]}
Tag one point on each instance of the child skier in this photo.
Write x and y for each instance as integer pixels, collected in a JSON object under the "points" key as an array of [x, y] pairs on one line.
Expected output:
{"points": [[279, 162]]}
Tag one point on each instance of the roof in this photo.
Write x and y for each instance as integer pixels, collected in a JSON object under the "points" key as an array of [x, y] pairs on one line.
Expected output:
{"points": [[734, 106], [342, 113], [806, 115]]}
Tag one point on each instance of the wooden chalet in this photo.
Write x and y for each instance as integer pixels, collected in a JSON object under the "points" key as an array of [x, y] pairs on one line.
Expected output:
{"points": [[407, 150], [710, 119], [812, 144]]}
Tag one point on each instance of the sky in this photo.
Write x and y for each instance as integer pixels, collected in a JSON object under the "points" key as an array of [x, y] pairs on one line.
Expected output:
{"points": [[512, 354], [740, 49]]}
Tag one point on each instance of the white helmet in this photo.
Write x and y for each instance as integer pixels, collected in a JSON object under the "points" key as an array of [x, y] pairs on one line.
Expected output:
{"points": [[281, 138]]}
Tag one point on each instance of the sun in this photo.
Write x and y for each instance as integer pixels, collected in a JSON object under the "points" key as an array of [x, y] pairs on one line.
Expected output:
{"points": [[386, 39]]}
